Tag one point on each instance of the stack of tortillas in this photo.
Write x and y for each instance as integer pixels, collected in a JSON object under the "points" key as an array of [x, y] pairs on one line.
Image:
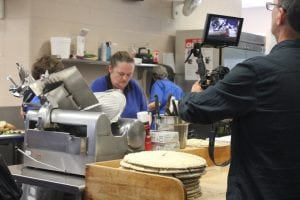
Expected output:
{"points": [[186, 167]]}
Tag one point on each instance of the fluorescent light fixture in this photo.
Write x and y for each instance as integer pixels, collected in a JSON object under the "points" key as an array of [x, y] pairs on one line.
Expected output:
{"points": [[188, 7]]}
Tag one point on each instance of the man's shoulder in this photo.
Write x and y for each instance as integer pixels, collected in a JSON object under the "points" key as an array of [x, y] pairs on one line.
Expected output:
{"points": [[254, 63], [255, 59]]}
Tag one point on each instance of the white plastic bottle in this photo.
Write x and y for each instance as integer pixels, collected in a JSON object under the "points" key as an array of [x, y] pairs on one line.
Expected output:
{"points": [[143, 116], [102, 52]]}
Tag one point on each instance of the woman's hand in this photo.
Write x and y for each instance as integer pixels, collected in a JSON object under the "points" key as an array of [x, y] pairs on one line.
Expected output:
{"points": [[151, 106]]}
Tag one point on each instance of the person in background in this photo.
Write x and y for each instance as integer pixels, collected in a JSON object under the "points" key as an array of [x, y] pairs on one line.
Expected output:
{"points": [[120, 73], [42, 64], [260, 94], [163, 88]]}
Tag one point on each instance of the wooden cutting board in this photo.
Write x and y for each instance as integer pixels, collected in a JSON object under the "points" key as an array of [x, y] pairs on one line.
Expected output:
{"points": [[222, 153], [105, 180]]}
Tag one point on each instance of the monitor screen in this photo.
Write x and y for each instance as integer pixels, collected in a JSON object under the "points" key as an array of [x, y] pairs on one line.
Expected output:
{"points": [[221, 30]]}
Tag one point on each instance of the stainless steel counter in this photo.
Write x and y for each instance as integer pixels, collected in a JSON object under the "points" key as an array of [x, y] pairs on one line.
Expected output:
{"points": [[11, 138], [51, 180]]}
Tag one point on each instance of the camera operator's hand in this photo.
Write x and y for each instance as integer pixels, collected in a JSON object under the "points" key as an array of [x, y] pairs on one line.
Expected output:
{"points": [[196, 87]]}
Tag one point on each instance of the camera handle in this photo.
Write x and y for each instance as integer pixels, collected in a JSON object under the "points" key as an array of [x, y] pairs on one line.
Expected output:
{"points": [[202, 72]]}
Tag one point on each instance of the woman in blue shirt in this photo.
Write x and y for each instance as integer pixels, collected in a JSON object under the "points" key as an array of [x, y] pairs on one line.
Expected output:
{"points": [[120, 73], [163, 88]]}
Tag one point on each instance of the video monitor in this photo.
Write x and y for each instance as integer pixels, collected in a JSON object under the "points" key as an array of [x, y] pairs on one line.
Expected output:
{"points": [[221, 30]]}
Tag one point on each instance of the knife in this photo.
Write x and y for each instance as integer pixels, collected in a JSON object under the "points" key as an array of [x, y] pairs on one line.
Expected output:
{"points": [[167, 109], [175, 107]]}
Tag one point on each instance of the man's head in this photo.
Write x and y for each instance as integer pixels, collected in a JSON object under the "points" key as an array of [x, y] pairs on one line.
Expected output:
{"points": [[45, 63], [121, 69], [285, 19], [218, 74]]}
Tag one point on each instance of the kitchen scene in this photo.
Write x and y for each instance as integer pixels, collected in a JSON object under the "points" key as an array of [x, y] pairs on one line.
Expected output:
{"points": [[137, 99]]}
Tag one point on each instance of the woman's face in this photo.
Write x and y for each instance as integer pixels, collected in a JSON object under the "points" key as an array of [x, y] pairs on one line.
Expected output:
{"points": [[121, 74]]}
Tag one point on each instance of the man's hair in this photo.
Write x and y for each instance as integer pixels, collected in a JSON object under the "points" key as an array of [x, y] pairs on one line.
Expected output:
{"points": [[159, 72], [121, 56], [218, 74], [292, 8], [45, 63]]}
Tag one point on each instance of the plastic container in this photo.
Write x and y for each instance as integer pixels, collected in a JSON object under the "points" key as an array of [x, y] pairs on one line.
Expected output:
{"points": [[108, 51], [144, 117], [173, 123], [80, 45], [173, 146], [164, 136], [102, 52], [155, 56], [182, 129], [60, 46]]}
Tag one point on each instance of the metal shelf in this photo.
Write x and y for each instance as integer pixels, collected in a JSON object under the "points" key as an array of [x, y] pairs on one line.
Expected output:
{"points": [[84, 62], [77, 62]]}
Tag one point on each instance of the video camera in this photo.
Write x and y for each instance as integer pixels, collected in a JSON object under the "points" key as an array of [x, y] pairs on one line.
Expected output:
{"points": [[206, 79], [220, 128]]}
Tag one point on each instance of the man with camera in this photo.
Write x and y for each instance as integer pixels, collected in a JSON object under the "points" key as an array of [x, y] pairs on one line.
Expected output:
{"points": [[262, 96]]}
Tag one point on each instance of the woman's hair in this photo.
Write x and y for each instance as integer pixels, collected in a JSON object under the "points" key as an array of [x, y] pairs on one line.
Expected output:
{"points": [[292, 9], [159, 72], [45, 63], [120, 56]]}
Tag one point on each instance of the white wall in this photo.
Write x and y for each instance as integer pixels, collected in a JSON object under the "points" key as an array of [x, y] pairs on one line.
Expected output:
{"points": [[29, 24], [14, 44], [196, 20], [257, 20]]}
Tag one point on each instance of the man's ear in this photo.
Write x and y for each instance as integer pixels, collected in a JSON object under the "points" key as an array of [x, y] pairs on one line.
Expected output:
{"points": [[281, 16]]}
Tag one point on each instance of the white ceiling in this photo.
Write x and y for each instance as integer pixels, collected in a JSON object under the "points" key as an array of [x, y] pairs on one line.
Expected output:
{"points": [[254, 3]]}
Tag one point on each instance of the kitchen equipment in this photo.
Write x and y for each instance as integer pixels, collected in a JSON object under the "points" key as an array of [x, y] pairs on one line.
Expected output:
{"points": [[173, 123], [145, 54], [25, 79], [71, 129], [112, 102]]}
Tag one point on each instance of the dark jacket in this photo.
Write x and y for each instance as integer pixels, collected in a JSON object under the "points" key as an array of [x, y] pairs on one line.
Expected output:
{"points": [[9, 190], [262, 95]]}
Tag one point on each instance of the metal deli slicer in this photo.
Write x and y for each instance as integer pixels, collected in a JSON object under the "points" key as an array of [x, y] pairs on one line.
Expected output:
{"points": [[73, 127]]}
